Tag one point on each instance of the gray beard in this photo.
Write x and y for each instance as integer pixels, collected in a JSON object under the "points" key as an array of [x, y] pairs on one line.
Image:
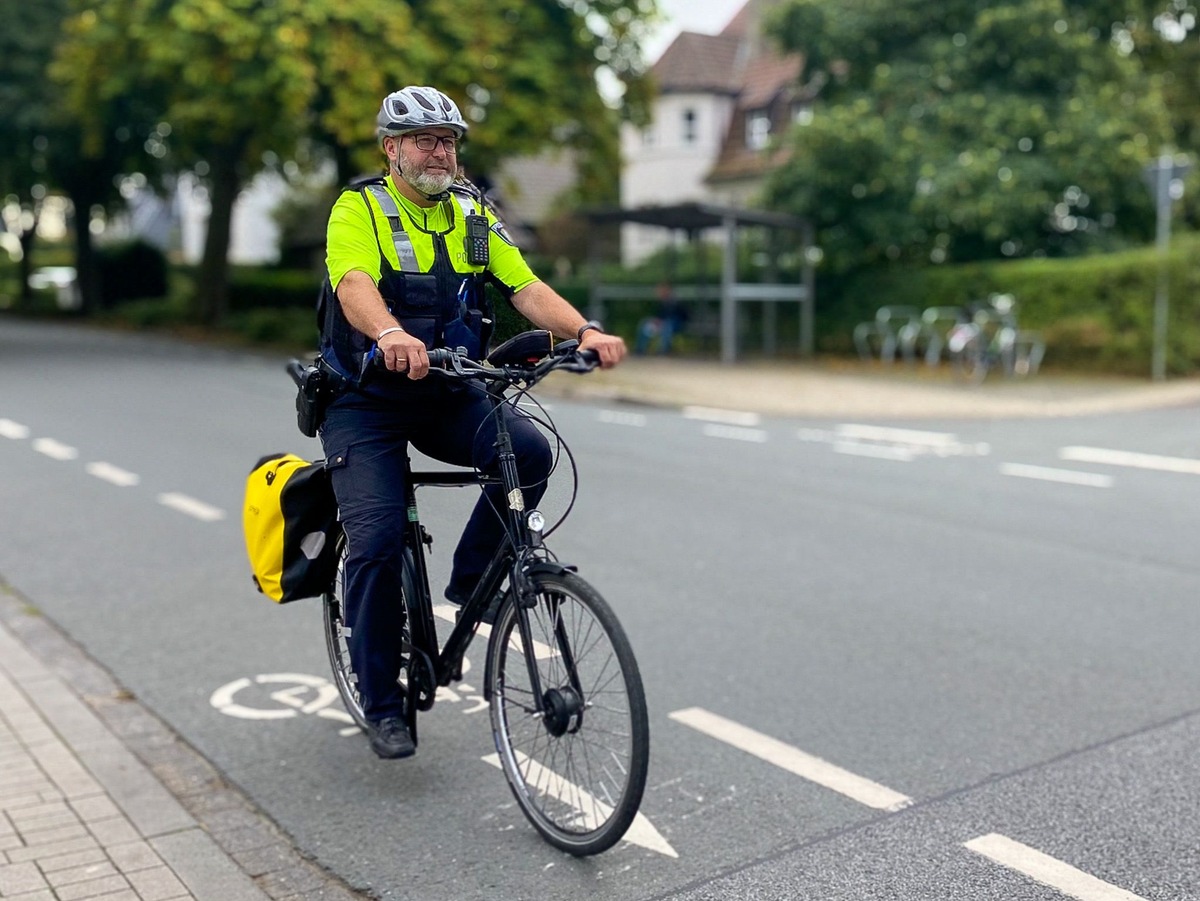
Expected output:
{"points": [[423, 181]]}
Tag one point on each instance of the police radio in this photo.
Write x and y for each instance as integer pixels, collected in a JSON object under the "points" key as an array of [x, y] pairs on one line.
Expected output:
{"points": [[477, 239]]}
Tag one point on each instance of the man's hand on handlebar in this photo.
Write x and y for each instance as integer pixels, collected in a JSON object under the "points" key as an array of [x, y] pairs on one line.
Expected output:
{"points": [[401, 352], [610, 348]]}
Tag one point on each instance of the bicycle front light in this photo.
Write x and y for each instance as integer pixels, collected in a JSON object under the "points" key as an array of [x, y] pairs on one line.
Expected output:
{"points": [[535, 522]]}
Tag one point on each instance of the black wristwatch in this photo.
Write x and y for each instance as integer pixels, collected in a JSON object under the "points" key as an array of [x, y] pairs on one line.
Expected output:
{"points": [[590, 324]]}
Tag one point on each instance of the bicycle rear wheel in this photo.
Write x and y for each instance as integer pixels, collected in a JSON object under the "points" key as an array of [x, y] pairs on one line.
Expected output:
{"points": [[578, 769], [337, 635]]}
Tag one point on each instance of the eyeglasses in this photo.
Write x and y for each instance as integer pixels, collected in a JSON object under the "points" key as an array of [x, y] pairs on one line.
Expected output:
{"points": [[427, 142]]}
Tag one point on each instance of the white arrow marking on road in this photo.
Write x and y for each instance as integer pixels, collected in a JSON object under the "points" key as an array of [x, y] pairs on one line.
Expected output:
{"points": [[641, 831], [449, 613], [191, 507], [1047, 870], [1131, 459], [113, 474], [1049, 474], [792, 759], [56, 450], [14, 430]]}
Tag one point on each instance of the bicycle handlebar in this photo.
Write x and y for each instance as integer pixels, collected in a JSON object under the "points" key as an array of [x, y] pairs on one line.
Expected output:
{"points": [[454, 363]]}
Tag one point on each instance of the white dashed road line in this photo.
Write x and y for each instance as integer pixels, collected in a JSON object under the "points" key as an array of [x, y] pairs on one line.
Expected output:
{"points": [[735, 433], [897, 452], [113, 474], [55, 450], [13, 430], [729, 417], [1049, 474], [1130, 459], [814, 769], [1047, 870], [620, 417], [191, 506]]}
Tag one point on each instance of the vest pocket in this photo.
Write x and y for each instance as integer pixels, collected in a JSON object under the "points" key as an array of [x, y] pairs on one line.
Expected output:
{"points": [[418, 307]]}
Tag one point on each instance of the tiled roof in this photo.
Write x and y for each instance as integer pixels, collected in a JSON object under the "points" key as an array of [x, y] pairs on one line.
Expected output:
{"points": [[766, 77], [698, 62]]}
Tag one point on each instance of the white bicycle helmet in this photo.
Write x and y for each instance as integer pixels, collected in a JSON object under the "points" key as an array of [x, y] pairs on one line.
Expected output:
{"points": [[416, 107]]}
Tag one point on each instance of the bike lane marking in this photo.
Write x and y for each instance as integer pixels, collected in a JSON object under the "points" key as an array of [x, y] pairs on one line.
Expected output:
{"points": [[1051, 474], [1130, 459], [786, 757], [1047, 870], [592, 810]]}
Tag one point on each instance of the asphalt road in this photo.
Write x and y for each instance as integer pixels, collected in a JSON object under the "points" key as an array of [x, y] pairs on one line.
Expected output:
{"points": [[919, 660]]}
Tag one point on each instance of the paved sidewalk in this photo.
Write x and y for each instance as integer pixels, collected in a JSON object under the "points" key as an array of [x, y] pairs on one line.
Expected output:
{"points": [[100, 800]]}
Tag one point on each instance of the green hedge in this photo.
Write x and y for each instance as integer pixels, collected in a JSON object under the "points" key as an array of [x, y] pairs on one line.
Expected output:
{"points": [[1095, 313]]}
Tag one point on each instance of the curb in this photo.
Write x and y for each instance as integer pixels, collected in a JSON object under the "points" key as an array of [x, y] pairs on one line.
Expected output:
{"points": [[103, 792]]}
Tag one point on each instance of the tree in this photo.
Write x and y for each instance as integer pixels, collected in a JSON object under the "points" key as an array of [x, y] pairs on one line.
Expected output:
{"points": [[966, 130], [27, 132], [237, 79]]}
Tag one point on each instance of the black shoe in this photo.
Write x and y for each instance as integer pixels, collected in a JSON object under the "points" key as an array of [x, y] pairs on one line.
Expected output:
{"points": [[390, 739]]}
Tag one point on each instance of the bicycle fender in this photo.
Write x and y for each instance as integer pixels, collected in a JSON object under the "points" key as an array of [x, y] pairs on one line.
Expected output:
{"points": [[551, 567]]}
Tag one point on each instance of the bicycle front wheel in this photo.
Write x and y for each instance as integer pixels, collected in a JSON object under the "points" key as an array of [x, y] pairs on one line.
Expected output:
{"points": [[576, 762]]}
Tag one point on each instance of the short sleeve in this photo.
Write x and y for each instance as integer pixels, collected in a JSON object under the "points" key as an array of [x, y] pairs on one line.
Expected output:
{"points": [[350, 241]]}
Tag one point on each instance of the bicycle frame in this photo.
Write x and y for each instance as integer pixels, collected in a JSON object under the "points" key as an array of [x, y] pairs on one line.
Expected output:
{"points": [[511, 559]]}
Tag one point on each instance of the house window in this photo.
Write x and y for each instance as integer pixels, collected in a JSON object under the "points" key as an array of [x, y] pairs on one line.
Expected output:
{"points": [[802, 114], [758, 129], [689, 126]]}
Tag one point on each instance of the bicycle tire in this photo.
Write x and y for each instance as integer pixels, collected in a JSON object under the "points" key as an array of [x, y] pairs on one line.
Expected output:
{"points": [[336, 641], [580, 788]]}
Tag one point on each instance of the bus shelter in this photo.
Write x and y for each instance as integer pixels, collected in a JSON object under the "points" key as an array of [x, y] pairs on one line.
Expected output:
{"points": [[693, 220]]}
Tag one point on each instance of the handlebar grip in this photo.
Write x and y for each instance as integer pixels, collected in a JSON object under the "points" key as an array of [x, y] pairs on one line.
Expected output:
{"points": [[590, 357], [440, 357]]}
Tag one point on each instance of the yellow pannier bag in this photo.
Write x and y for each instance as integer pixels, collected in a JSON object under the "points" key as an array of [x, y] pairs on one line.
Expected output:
{"points": [[290, 521]]}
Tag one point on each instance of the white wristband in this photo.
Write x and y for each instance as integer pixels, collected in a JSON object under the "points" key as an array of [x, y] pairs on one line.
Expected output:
{"points": [[387, 331]]}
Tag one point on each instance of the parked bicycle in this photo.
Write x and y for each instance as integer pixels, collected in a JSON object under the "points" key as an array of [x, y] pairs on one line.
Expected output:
{"points": [[568, 711], [989, 338]]}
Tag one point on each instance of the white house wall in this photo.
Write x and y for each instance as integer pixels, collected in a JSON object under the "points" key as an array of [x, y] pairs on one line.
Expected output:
{"points": [[661, 166]]}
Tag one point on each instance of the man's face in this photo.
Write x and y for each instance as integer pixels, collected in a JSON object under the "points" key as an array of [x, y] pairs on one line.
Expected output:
{"points": [[429, 171]]}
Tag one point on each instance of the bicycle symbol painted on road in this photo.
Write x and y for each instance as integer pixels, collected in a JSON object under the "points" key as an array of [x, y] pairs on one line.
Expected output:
{"points": [[281, 696]]}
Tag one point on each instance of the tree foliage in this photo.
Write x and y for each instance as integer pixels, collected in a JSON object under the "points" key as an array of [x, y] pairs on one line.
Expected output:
{"points": [[237, 81], [969, 130]]}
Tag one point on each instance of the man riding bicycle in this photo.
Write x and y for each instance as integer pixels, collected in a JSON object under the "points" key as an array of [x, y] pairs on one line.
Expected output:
{"points": [[408, 256]]}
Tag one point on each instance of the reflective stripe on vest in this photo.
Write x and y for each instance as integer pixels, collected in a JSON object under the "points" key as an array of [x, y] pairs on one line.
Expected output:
{"points": [[404, 247]]}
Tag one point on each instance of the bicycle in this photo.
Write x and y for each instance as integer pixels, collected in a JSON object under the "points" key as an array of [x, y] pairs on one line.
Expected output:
{"points": [[989, 338], [567, 706]]}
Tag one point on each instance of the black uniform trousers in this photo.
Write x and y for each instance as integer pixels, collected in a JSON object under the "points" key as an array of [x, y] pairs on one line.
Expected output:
{"points": [[366, 436]]}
